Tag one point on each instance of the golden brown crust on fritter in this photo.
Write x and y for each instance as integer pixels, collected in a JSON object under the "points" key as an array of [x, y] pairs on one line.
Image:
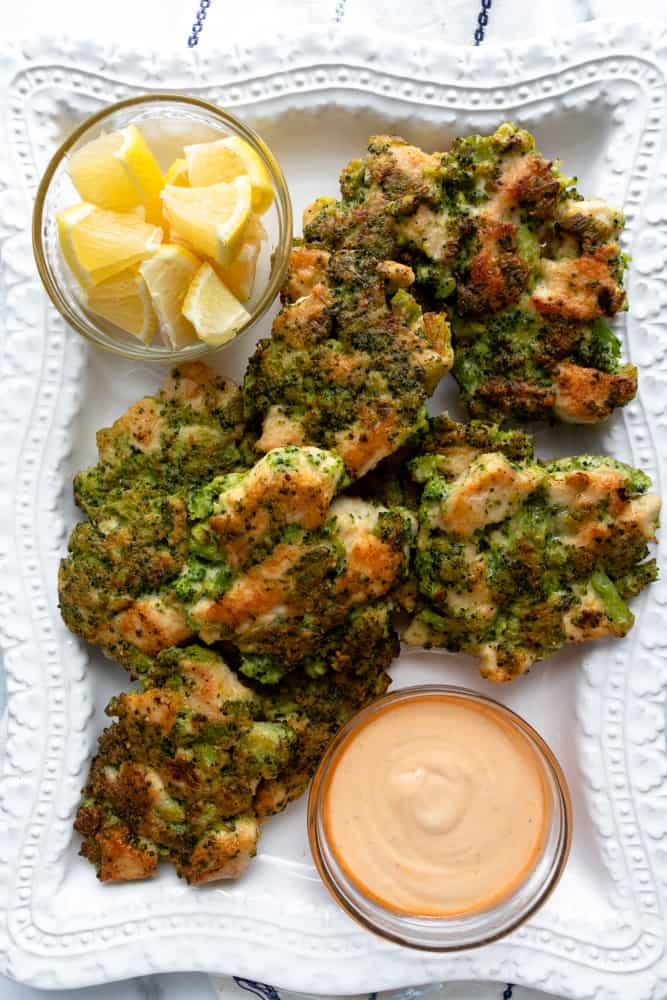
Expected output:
{"points": [[140, 425], [497, 272], [150, 624], [223, 853], [523, 397], [396, 275], [306, 269], [256, 593], [582, 288], [121, 860], [585, 395], [199, 386], [404, 173], [527, 183], [305, 321]]}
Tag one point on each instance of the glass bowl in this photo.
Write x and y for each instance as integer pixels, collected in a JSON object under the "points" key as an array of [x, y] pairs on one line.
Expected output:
{"points": [[473, 928], [168, 121]]}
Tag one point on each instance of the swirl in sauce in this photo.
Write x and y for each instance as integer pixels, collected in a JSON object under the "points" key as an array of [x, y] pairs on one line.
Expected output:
{"points": [[437, 806]]}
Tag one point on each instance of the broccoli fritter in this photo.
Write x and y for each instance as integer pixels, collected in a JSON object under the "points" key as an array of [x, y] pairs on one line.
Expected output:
{"points": [[136, 537], [191, 431], [516, 558], [274, 566], [528, 269], [265, 560], [198, 760], [136, 544], [351, 361]]}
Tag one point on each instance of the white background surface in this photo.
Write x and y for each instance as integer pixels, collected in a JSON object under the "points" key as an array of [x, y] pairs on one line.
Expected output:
{"points": [[167, 23]]}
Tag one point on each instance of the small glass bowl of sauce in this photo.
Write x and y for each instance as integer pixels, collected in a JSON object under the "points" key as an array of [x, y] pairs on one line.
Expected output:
{"points": [[439, 819]]}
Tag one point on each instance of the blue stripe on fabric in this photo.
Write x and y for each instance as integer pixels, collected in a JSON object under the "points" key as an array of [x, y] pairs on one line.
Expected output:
{"points": [[259, 989], [198, 26], [482, 21]]}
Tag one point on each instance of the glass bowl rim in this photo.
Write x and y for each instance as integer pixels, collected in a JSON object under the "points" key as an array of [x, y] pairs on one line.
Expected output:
{"points": [[551, 765], [280, 252]]}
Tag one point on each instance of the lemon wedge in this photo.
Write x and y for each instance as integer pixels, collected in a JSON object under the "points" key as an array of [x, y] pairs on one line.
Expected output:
{"points": [[214, 312], [168, 275], [117, 171], [177, 173], [239, 276], [98, 244], [124, 300], [211, 220], [225, 159], [176, 176]]}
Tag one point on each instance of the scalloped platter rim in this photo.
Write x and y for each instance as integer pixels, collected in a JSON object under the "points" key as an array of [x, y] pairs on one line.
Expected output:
{"points": [[597, 96]]}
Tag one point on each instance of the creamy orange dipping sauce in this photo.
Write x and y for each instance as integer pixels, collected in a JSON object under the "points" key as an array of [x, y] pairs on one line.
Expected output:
{"points": [[437, 806]]}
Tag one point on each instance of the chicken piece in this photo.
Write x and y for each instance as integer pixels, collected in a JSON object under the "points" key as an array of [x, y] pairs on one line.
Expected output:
{"points": [[396, 275], [497, 273], [582, 288], [488, 492], [351, 361], [150, 624], [224, 852], [197, 761], [515, 558], [587, 395], [291, 486], [529, 271], [306, 270]]}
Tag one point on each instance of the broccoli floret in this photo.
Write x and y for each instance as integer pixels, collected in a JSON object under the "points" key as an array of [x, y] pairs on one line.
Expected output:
{"points": [[615, 607], [264, 668], [632, 583], [266, 747]]}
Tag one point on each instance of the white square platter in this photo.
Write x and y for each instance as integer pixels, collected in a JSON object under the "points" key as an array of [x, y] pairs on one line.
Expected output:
{"points": [[595, 97]]}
